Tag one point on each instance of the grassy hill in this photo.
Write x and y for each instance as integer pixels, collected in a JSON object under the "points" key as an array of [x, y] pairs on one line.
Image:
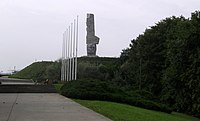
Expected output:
{"points": [[41, 71], [35, 71]]}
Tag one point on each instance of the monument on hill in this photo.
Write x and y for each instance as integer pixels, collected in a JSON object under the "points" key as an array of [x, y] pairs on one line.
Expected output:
{"points": [[91, 39]]}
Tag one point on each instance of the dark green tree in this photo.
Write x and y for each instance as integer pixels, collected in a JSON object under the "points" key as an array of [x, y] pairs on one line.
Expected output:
{"points": [[53, 72], [164, 61]]}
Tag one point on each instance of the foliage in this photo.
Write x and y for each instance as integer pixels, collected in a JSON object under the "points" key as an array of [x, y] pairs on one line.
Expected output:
{"points": [[123, 112], [165, 62], [58, 87], [91, 89], [101, 68], [52, 72]]}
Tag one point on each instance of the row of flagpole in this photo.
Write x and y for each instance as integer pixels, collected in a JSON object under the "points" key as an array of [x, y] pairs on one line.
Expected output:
{"points": [[69, 52]]}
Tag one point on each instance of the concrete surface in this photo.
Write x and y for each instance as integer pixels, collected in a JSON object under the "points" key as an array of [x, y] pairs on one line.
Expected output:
{"points": [[43, 107]]}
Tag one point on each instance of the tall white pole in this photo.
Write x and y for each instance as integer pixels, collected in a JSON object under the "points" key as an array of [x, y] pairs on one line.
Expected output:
{"points": [[76, 49], [73, 58], [70, 54], [64, 79], [66, 50], [62, 65], [71, 49], [68, 60]]}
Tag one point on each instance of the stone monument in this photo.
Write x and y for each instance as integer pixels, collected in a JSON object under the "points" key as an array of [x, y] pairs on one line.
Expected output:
{"points": [[91, 39]]}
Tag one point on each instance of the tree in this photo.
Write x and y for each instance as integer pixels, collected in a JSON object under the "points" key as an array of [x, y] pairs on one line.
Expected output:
{"points": [[53, 71], [164, 61]]}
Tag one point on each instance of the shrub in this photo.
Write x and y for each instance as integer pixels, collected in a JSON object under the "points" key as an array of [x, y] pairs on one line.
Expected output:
{"points": [[91, 89]]}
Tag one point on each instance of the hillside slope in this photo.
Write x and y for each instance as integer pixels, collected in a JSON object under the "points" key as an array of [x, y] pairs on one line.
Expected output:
{"points": [[35, 71], [44, 70]]}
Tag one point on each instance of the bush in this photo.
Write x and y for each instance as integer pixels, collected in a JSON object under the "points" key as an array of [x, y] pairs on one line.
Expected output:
{"points": [[91, 89]]}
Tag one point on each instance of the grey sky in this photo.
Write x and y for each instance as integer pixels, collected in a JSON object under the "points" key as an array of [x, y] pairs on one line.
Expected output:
{"points": [[32, 29]]}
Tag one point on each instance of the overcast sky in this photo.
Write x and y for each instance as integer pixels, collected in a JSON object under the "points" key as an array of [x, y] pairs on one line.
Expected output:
{"points": [[31, 30]]}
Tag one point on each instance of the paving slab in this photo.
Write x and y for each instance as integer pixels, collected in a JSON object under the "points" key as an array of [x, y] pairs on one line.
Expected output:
{"points": [[43, 107]]}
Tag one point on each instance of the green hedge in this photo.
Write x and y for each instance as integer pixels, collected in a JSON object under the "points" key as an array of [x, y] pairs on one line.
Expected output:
{"points": [[90, 89]]}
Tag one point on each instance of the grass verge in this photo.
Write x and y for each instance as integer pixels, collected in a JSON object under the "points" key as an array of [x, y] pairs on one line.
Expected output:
{"points": [[123, 112]]}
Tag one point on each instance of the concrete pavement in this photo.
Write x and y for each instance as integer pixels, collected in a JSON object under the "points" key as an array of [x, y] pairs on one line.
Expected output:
{"points": [[43, 107]]}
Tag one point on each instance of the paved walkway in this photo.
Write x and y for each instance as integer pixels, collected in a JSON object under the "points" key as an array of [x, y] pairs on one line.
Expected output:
{"points": [[43, 107]]}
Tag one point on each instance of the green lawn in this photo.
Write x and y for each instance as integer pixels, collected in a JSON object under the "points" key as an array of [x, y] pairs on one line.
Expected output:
{"points": [[58, 87], [123, 112]]}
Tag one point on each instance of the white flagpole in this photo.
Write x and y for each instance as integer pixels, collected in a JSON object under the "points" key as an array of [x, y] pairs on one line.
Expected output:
{"points": [[62, 65], [69, 52], [71, 49], [68, 48], [76, 49], [73, 59], [66, 53]]}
